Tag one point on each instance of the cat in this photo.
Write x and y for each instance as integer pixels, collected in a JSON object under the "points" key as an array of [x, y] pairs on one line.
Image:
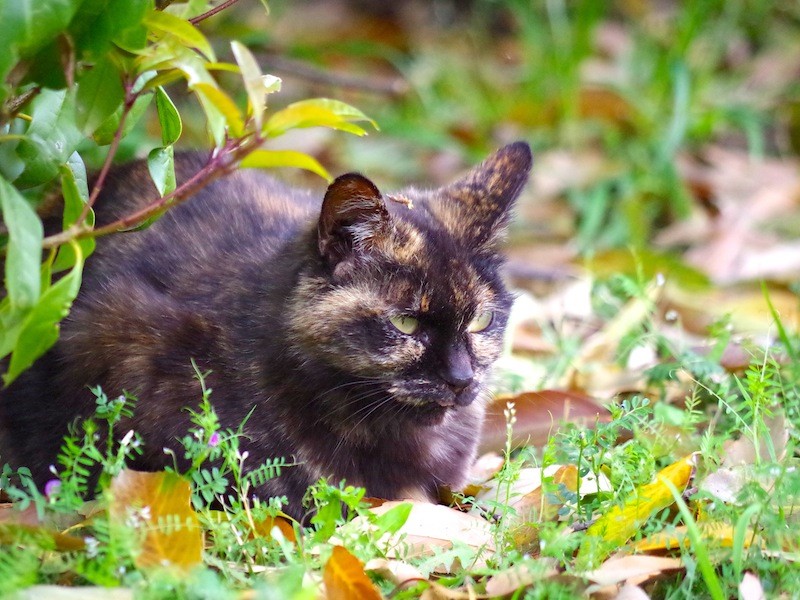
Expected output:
{"points": [[355, 336]]}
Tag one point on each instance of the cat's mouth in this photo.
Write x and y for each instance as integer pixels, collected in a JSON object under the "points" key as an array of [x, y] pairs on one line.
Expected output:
{"points": [[430, 406]]}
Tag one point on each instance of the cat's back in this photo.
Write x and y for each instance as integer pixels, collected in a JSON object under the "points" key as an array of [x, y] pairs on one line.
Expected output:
{"points": [[243, 213]]}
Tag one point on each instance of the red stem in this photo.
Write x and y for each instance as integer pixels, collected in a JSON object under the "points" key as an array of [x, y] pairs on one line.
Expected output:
{"points": [[212, 12]]}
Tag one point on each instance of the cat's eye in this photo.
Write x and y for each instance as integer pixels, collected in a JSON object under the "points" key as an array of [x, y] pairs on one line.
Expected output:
{"points": [[481, 321], [404, 323]]}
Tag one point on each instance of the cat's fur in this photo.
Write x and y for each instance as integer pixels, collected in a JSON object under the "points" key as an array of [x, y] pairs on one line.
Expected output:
{"points": [[288, 305]]}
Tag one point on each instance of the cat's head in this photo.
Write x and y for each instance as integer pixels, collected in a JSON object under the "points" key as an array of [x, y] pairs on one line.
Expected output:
{"points": [[403, 296]]}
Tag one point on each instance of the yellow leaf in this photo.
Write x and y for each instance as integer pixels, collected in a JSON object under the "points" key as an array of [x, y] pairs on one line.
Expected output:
{"points": [[345, 578], [223, 103], [619, 524], [721, 533], [319, 112], [160, 503], [266, 159], [187, 33]]}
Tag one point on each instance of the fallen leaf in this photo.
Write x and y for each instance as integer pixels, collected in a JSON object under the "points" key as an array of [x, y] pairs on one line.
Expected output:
{"points": [[160, 504], [432, 526], [396, 571], [633, 568], [18, 525], [743, 451], [61, 592], [537, 417], [345, 578], [620, 523], [720, 533], [631, 592], [520, 576]]}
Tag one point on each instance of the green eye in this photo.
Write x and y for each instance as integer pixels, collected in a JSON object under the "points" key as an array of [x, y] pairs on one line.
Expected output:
{"points": [[481, 322], [404, 323]]}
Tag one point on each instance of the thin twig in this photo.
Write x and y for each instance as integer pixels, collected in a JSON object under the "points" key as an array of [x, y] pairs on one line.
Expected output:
{"points": [[16, 103], [385, 87], [112, 151], [212, 12], [217, 166]]}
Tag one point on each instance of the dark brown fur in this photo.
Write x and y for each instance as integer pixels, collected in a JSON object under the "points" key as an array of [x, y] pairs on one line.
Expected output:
{"points": [[287, 305]]}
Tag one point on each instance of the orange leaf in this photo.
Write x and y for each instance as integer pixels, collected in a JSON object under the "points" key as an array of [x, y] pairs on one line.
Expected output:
{"points": [[345, 578], [161, 504]]}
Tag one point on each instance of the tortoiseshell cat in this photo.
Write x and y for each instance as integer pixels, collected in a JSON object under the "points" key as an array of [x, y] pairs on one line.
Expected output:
{"points": [[360, 334]]}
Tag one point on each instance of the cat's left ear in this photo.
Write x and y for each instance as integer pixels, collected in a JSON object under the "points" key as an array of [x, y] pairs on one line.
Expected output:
{"points": [[353, 219], [482, 199]]}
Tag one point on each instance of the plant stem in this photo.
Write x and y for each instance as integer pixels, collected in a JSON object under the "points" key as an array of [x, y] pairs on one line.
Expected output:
{"points": [[130, 98], [212, 12], [218, 164]]}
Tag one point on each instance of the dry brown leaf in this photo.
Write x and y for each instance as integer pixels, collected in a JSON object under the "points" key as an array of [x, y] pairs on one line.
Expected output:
{"points": [[538, 415], [345, 578], [520, 576], [160, 504], [17, 524], [743, 451], [437, 591], [396, 571], [746, 307], [634, 568]]}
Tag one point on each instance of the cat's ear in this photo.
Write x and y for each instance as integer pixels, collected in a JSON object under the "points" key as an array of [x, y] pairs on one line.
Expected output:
{"points": [[482, 199], [354, 219]]}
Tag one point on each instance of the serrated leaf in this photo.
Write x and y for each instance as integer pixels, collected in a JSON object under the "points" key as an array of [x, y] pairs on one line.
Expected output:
{"points": [[223, 103], [168, 118], [615, 527], [319, 112], [253, 82], [24, 250], [100, 93], [268, 159], [345, 578], [184, 31], [40, 327], [161, 164], [161, 503]]}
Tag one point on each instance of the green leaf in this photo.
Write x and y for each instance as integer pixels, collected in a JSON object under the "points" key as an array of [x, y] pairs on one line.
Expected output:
{"points": [[24, 250], [75, 193], [223, 103], [28, 25], [253, 81], [267, 159], [184, 31], [100, 93], [392, 520], [168, 117], [105, 133], [51, 138], [40, 327], [161, 164], [319, 112]]}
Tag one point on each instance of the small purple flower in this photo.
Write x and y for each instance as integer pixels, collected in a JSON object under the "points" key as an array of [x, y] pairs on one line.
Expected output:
{"points": [[51, 487], [213, 441]]}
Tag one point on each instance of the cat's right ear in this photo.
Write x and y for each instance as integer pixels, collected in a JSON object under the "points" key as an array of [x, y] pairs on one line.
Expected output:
{"points": [[353, 220]]}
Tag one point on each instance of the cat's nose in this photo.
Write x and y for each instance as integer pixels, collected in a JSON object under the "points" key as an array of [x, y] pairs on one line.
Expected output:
{"points": [[457, 371]]}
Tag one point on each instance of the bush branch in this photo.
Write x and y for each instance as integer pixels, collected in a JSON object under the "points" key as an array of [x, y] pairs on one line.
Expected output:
{"points": [[212, 12]]}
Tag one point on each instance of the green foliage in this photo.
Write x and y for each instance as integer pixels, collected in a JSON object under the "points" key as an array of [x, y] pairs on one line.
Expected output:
{"points": [[85, 72]]}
